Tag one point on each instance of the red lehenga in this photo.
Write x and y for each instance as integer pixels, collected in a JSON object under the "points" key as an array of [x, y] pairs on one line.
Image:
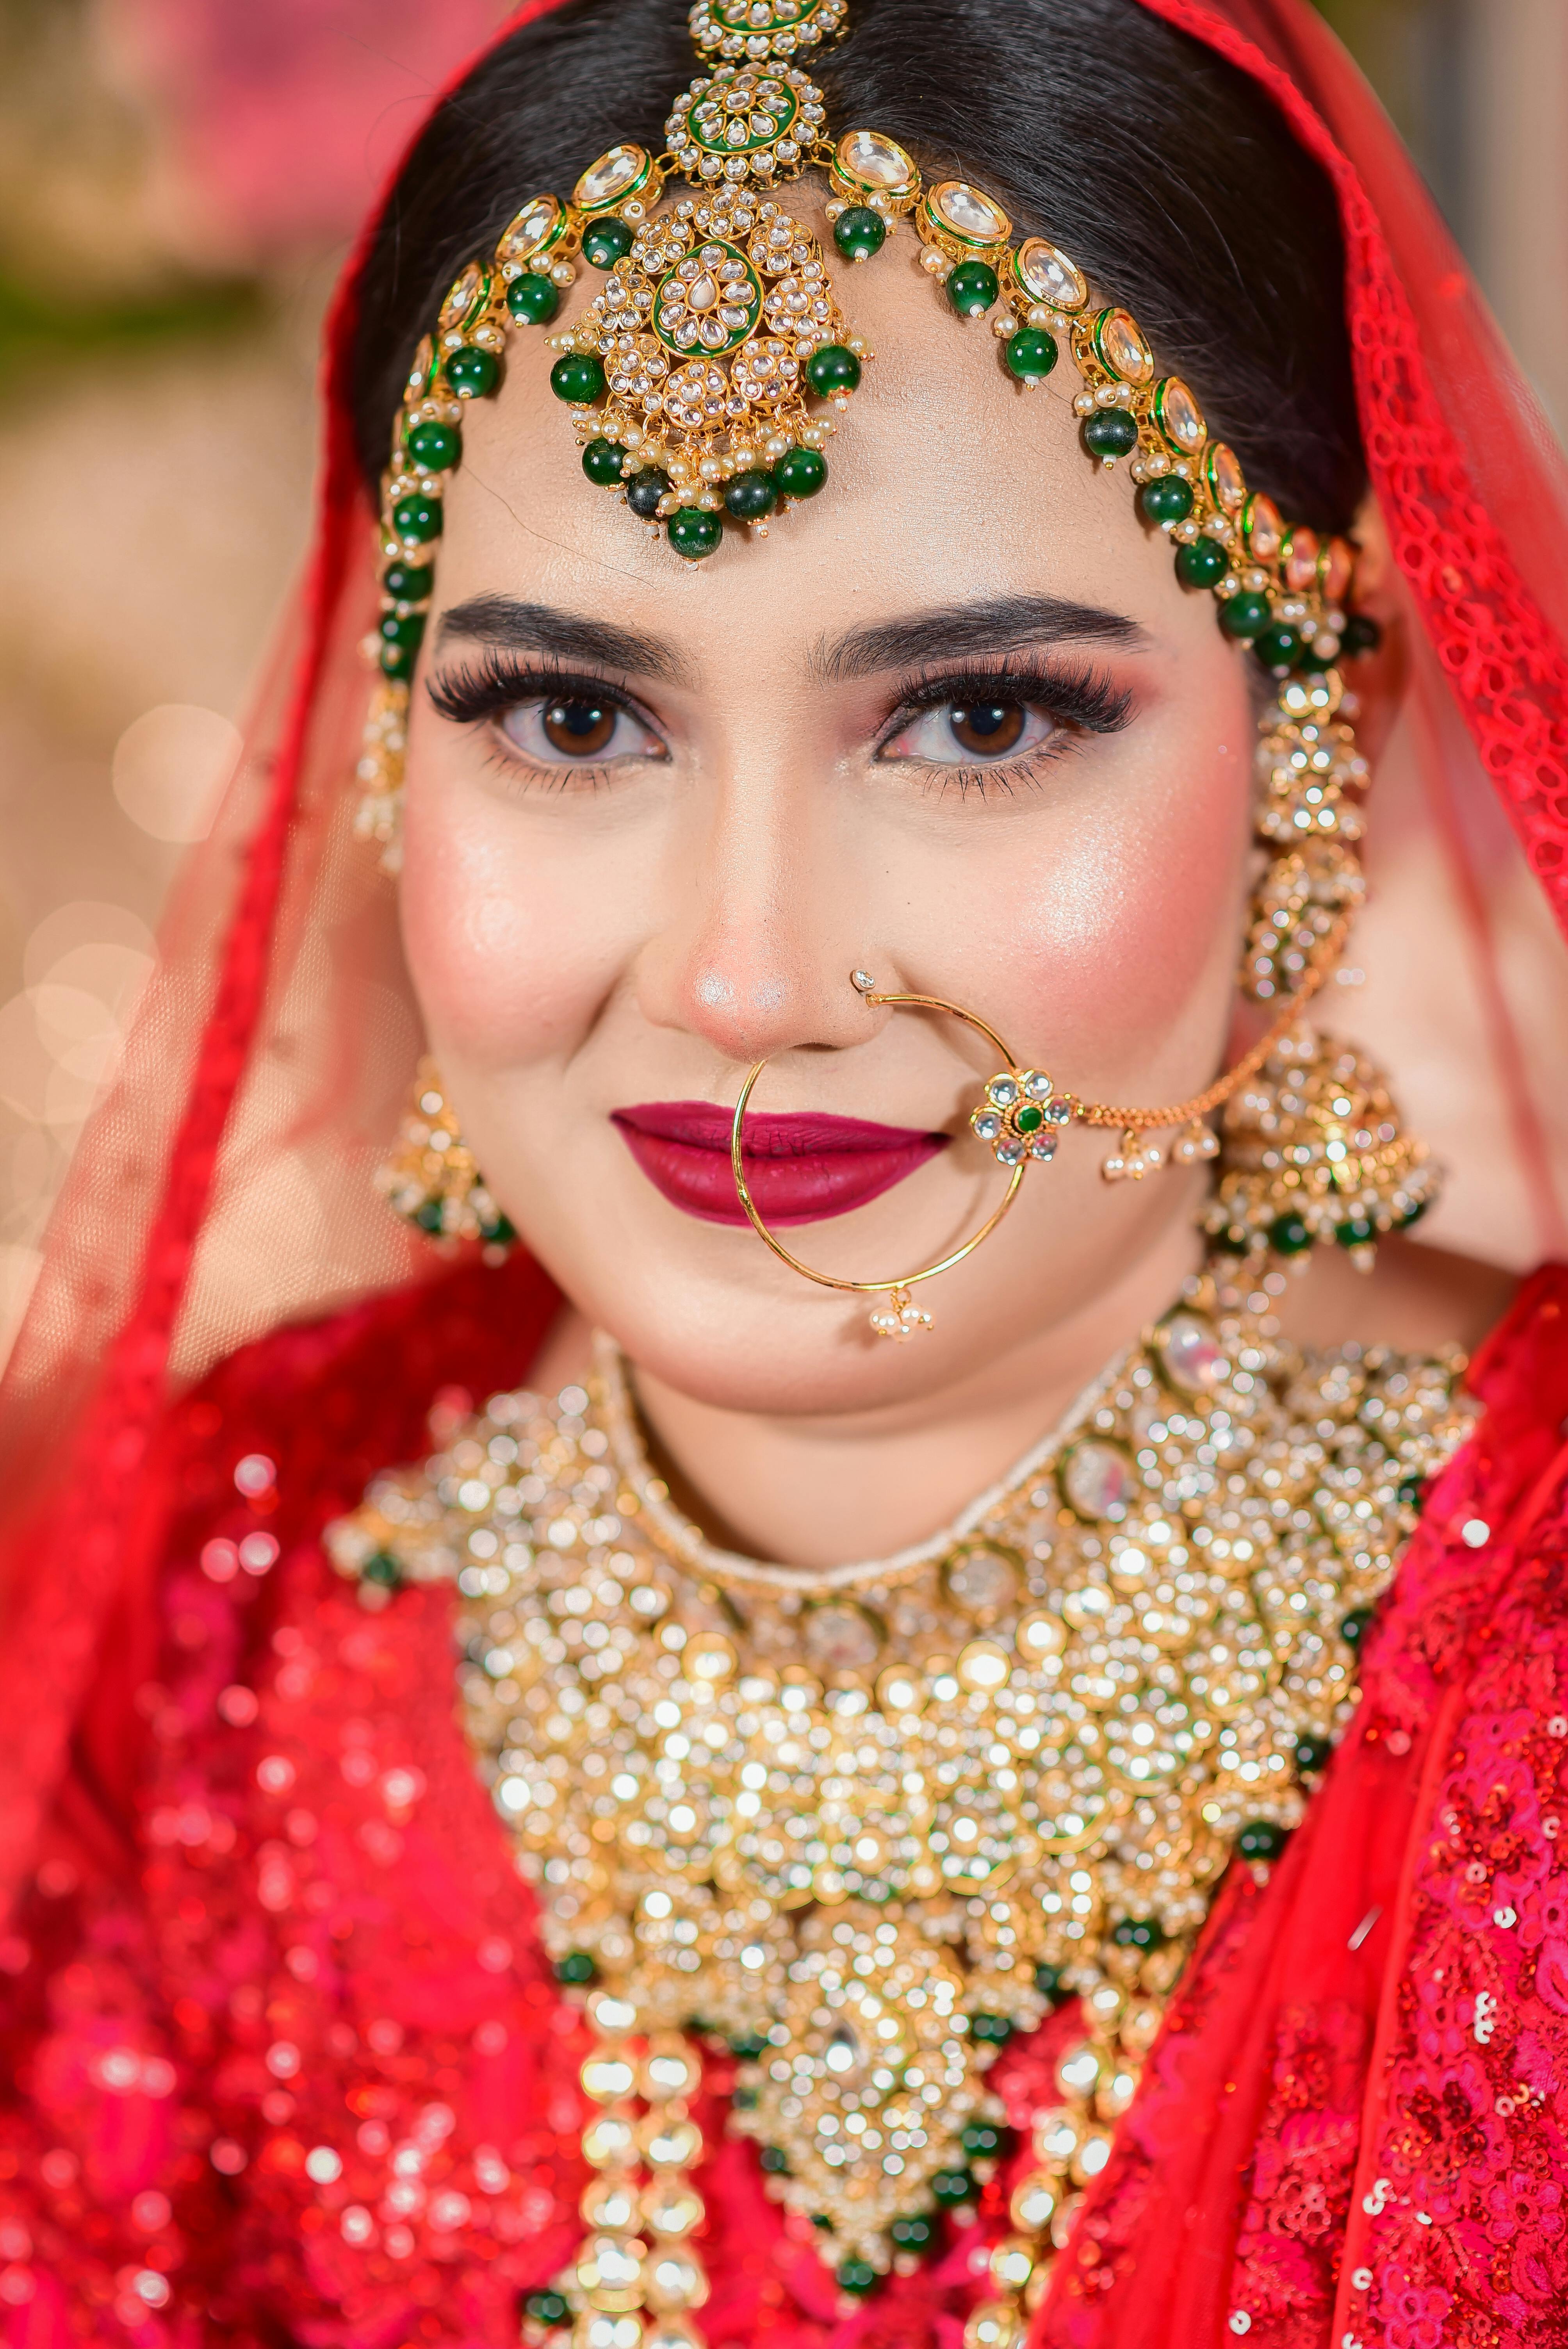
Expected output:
{"points": [[284, 2059]]}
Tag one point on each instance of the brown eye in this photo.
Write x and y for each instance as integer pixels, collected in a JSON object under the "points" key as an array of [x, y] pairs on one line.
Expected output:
{"points": [[579, 729], [989, 728]]}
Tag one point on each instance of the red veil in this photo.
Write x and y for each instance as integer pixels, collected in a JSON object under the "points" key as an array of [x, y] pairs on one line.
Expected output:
{"points": [[1351, 2088]]}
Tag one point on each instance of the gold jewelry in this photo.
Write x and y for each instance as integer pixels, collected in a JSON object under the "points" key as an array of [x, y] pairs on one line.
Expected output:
{"points": [[1011, 1096], [867, 1825], [430, 1178]]}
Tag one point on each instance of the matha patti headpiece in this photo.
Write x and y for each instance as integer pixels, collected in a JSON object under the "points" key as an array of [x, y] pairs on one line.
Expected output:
{"points": [[705, 378]]}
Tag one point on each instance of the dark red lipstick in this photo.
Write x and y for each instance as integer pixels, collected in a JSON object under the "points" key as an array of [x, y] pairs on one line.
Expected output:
{"points": [[800, 1168]]}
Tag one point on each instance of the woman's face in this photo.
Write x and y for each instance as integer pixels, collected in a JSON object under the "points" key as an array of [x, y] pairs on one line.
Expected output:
{"points": [[954, 724]]}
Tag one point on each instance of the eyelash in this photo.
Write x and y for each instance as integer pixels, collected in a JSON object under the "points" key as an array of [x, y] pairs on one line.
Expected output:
{"points": [[484, 690], [1082, 699]]}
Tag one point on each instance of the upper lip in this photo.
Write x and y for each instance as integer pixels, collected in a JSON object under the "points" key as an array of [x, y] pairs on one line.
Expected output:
{"points": [[792, 1133], [802, 1165]]}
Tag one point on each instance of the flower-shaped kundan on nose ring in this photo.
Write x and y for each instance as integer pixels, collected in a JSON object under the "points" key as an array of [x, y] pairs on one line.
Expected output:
{"points": [[1022, 1116]]}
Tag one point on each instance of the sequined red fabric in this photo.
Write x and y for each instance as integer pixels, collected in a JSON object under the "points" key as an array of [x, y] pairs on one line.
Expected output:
{"points": [[288, 2064]]}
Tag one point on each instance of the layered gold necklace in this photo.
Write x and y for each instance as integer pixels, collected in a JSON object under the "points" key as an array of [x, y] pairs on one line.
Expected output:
{"points": [[864, 1826]]}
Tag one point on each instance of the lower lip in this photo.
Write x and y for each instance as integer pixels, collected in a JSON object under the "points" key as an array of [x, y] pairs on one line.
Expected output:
{"points": [[799, 1170]]}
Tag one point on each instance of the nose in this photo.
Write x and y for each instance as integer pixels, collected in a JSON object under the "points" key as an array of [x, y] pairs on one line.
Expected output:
{"points": [[760, 930]]}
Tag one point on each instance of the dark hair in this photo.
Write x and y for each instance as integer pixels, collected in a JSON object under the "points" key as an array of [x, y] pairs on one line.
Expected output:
{"points": [[1165, 172]]}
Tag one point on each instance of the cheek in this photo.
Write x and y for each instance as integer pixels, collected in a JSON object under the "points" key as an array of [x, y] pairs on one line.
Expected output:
{"points": [[1136, 911], [507, 966]]}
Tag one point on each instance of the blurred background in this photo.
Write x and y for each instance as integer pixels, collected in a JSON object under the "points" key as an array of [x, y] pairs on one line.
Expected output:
{"points": [[179, 180]]}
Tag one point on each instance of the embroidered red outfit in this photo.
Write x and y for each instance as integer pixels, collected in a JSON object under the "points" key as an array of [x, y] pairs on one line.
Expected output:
{"points": [[285, 2059]]}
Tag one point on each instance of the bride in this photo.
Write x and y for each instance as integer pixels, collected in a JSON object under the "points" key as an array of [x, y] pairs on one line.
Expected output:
{"points": [[757, 1592]]}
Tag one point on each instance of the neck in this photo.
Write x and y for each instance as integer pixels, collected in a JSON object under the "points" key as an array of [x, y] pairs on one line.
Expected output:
{"points": [[817, 1491]]}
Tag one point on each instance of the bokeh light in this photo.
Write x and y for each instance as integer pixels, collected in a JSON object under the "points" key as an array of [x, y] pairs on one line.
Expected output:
{"points": [[171, 769]]}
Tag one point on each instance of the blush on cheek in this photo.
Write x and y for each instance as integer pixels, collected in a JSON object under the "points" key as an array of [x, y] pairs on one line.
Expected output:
{"points": [[1134, 922], [500, 966]]}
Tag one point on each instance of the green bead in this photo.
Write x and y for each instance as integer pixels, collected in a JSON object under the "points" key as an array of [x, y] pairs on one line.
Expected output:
{"points": [[859, 233], [577, 378], [914, 2233], [382, 1568], [986, 2140], [499, 1232], [1029, 1119], [407, 582], [1138, 1933], [533, 300], [1362, 635], [1246, 614], [406, 629], [1403, 1223], [695, 533], [973, 287], [1203, 564], [832, 369], [990, 2030], [602, 463], [575, 1968], [774, 2160], [396, 661], [644, 490], [951, 2186], [1168, 499], [751, 495], [745, 2100], [1359, 1231], [1311, 1753], [749, 2049], [1309, 657], [1352, 1628], [1412, 1492], [1261, 1839], [1030, 354], [546, 2308], [435, 446], [1278, 647], [431, 1215], [1048, 1982], [801, 472], [1233, 1242], [473, 375], [1109, 432], [417, 518], [857, 2276], [605, 242], [1288, 1235]]}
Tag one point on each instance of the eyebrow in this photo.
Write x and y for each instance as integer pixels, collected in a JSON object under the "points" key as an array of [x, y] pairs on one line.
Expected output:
{"points": [[1003, 623], [502, 621]]}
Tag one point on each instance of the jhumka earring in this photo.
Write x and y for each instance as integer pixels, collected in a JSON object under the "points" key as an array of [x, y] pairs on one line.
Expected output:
{"points": [[431, 1180]]}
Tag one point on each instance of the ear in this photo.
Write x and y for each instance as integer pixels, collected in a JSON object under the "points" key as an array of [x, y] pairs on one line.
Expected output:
{"points": [[1379, 680]]}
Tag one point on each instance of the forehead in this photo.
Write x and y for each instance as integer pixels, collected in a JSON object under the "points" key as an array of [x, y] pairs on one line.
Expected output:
{"points": [[948, 481]]}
